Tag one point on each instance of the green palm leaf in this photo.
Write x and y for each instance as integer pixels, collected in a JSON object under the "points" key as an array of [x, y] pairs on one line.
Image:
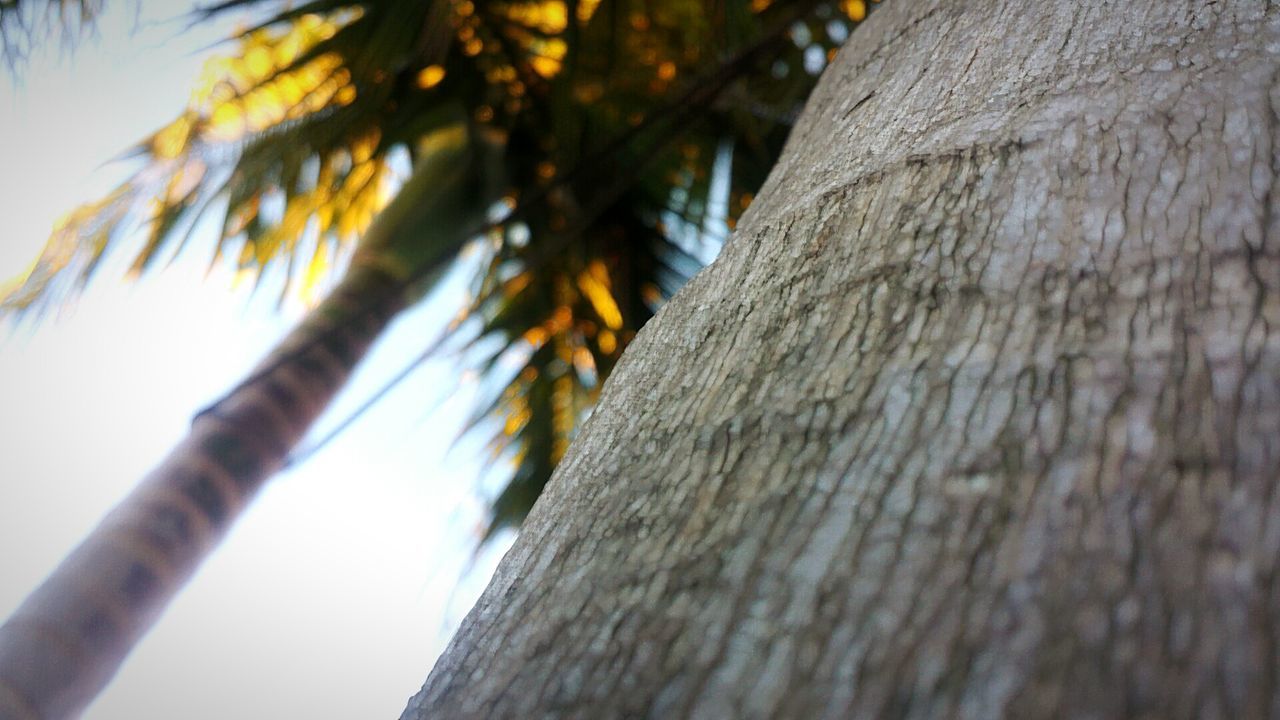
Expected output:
{"points": [[611, 130]]}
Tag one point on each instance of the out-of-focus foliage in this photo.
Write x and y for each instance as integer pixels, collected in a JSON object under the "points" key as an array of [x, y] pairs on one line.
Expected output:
{"points": [[26, 22], [631, 134]]}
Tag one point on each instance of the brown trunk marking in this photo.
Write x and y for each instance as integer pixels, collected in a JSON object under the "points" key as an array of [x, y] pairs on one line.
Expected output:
{"points": [[251, 420], [231, 454], [285, 399], [170, 533], [343, 345], [139, 584], [312, 370], [167, 501], [202, 490]]}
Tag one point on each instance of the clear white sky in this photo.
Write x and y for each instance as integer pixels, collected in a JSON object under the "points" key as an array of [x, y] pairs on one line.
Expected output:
{"points": [[333, 597]]}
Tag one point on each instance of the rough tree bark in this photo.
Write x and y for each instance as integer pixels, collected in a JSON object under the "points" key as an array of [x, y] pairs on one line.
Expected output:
{"points": [[977, 415]]}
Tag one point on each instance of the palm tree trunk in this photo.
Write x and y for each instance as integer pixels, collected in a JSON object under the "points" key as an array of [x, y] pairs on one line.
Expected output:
{"points": [[70, 635], [977, 415]]}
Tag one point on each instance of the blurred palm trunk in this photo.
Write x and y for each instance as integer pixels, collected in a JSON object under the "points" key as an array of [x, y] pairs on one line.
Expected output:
{"points": [[70, 635]]}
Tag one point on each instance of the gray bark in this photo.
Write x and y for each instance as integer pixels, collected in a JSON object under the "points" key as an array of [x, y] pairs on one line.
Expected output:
{"points": [[977, 415]]}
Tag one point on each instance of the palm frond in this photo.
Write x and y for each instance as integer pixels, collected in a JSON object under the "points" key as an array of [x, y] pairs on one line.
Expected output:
{"points": [[629, 136], [26, 23]]}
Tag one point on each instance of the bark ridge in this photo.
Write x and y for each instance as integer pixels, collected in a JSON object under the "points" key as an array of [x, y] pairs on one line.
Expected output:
{"points": [[977, 415]]}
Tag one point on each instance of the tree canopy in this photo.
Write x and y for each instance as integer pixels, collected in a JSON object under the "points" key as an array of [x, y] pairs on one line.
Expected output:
{"points": [[624, 137]]}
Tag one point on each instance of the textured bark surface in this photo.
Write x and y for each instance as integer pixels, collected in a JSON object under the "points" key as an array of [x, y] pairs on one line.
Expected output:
{"points": [[977, 415], [70, 635]]}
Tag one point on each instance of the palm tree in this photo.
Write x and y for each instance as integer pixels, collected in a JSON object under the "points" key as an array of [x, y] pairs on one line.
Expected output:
{"points": [[574, 143], [978, 419]]}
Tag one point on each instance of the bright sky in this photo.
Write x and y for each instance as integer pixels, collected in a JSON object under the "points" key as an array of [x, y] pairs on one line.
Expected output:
{"points": [[334, 595]]}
